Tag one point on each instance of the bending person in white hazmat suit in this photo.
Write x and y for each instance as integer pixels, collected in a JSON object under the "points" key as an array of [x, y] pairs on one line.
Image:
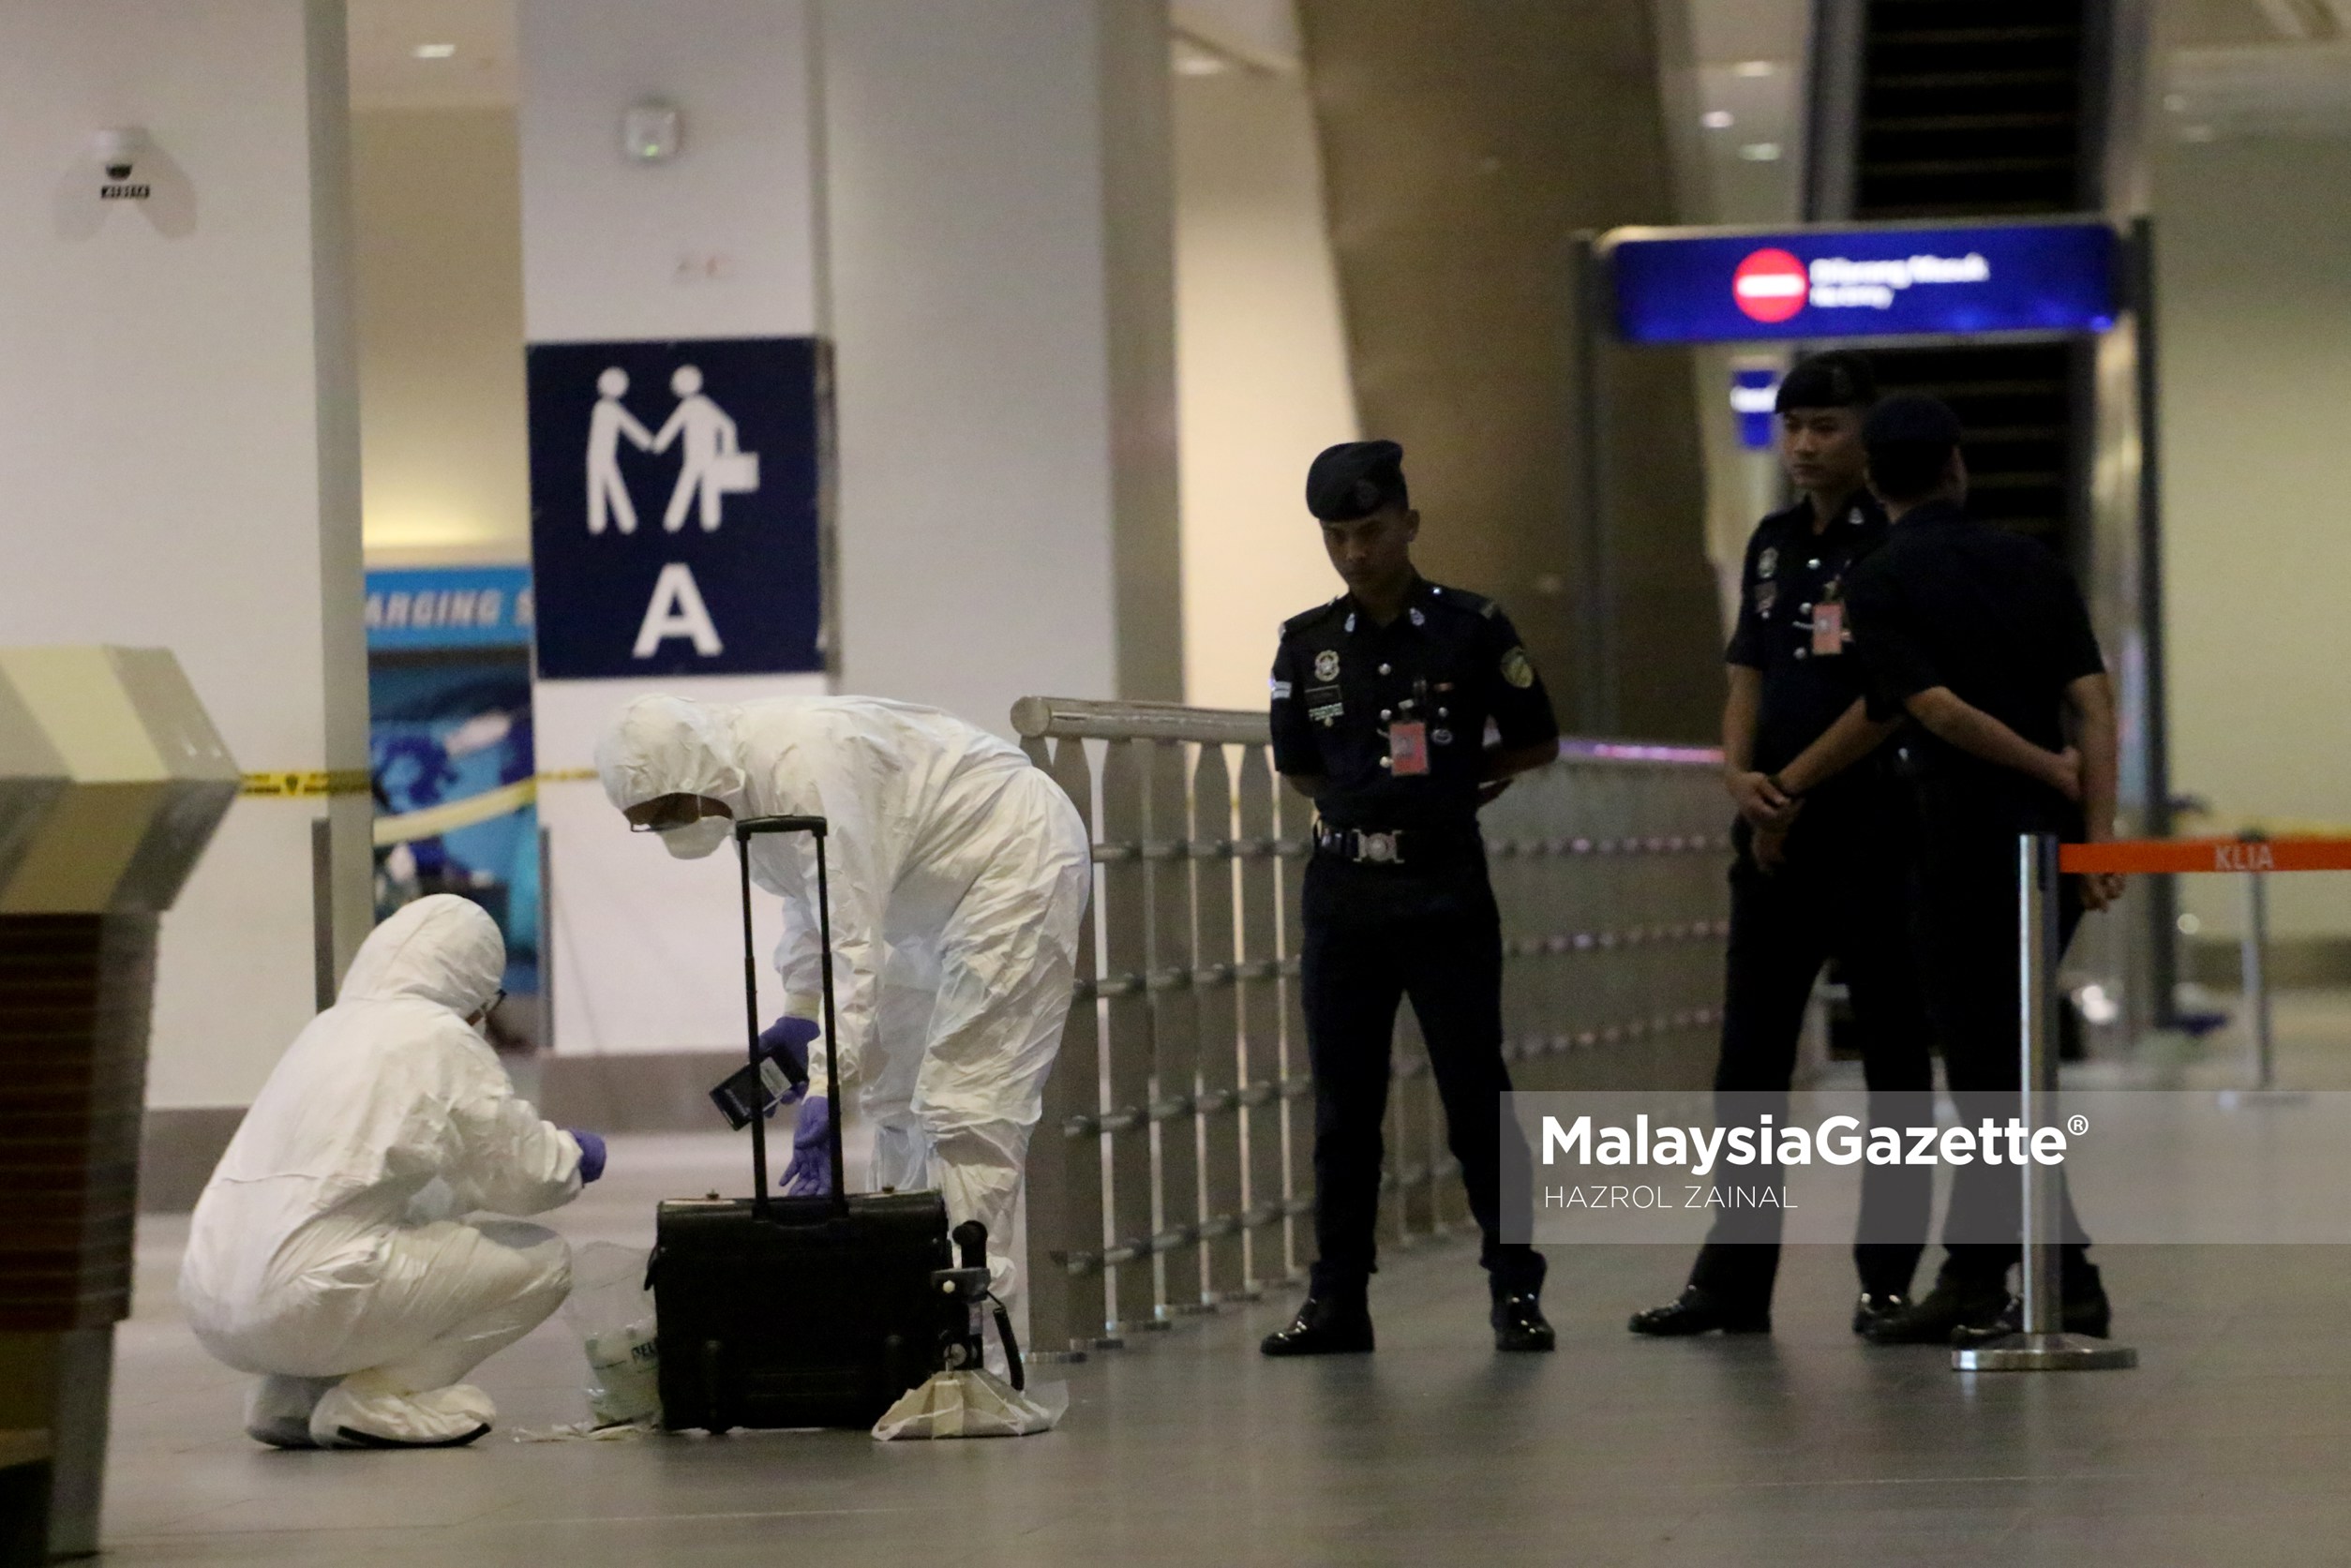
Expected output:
{"points": [[326, 1253], [959, 874]]}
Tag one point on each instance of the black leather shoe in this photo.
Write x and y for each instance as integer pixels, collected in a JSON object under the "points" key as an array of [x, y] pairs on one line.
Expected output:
{"points": [[1876, 1306], [1326, 1326], [1934, 1318], [2083, 1310], [1520, 1325], [1699, 1310]]}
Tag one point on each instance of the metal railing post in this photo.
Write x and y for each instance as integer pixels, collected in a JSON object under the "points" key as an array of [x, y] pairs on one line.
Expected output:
{"points": [[2041, 1346], [1066, 1307], [1261, 989], [2254, 961], [1216, 956]]}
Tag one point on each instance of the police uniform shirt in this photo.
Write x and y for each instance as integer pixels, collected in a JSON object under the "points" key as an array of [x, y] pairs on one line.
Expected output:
{"points": [[1449, 662], [1994, 615], [1790, 572]]}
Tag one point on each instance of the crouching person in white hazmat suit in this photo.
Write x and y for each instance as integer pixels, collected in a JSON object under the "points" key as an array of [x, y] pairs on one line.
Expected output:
{"points": [[328, 1254], [959, 873]]}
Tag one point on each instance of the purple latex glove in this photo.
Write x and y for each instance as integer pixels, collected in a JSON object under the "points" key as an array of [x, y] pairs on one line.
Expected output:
{"points": [[810, 1174], [787, 1041], [591, 1155]]}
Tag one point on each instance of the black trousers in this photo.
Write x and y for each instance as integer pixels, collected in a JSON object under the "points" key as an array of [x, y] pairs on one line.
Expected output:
{"points": [[1842, 894], [1965, 914], [1374, 935]]}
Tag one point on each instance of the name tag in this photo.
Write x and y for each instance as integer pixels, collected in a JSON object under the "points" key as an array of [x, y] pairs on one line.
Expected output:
{"points": [[1407, 748], [1323, 704], [1828, 628]]}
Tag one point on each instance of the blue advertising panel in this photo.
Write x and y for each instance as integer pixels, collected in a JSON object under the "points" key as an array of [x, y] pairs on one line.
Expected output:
{"points": [[1897, 281], [674, 506], [450, 754], [450, 606]]}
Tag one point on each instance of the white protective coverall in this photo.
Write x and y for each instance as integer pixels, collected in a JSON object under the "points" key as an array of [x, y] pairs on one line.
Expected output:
{"points": [[325, 1253], [959, 873]]}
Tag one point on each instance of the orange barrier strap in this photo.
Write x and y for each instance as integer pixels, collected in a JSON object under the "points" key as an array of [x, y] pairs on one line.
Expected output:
{"points": [[2140, 856]]}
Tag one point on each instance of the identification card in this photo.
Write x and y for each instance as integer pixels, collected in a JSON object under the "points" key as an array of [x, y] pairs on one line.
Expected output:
{"points": [[1828, 628], [1407, 748]]}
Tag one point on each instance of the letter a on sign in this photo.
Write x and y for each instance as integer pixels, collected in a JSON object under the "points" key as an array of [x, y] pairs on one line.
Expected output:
{"points": [[676, 611]]}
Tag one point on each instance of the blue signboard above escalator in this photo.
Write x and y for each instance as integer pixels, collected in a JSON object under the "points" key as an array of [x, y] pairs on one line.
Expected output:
{"points": [[1877, 280]]}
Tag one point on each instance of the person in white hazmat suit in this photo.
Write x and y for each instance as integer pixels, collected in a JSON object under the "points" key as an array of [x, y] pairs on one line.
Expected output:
{"points": [[959, 873], [328, 1254]]}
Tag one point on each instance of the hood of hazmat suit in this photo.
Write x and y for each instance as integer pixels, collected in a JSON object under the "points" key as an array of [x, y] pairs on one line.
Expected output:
{"points": [[388, 1113], [958, 874], [659, 746]]}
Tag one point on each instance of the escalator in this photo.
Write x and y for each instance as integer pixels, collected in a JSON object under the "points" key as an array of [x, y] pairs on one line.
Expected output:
{"points": [[1975, 109]]}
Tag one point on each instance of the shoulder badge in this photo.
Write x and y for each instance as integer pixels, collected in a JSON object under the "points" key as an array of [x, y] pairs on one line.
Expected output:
{"points": [[1326, 664], [1517, 669], [1767, 564], [1462, 599]]}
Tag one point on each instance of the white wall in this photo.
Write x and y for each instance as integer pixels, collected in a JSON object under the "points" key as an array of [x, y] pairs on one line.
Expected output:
{"points": [[621, 251], [2256, 382], [1262, 369], [179, 466]]}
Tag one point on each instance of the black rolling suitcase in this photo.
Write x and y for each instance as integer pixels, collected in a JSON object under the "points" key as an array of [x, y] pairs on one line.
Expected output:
{"points": [[797, 1311]]}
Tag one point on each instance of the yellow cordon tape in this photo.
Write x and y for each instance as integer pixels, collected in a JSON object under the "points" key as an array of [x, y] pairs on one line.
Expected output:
{"points": [[315, 784], [309, 785], [456, 814]]}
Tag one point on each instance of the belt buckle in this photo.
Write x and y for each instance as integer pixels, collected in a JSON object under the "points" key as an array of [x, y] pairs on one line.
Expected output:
{"points": [[1381, 849]]}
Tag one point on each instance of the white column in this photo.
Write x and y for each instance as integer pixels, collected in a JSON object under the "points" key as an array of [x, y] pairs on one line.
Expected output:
{"points": [[719, 243], [972, 203], [177, 422], [997, 201]]}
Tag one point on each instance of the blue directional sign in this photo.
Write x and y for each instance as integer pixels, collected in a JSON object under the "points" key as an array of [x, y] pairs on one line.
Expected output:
{"points": [[1882, 281], [674, 506]]}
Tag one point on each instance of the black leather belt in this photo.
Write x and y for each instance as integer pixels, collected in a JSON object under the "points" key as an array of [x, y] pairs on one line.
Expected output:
{"points": [[1392, 847]]}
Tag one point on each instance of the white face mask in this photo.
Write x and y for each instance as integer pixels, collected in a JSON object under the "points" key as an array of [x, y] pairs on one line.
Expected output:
{"points": [[698, 838]]}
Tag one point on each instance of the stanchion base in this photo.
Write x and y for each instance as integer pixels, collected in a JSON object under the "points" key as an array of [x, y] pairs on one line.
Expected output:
{"points": [[1194, 1308], [1069, 1357], [2043, 1353]]}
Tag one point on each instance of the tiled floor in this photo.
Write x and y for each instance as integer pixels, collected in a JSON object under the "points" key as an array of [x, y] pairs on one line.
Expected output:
{"points": [[2230, 1444]]}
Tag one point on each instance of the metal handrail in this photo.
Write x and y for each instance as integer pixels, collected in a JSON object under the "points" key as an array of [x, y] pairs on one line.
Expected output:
{"points": [[1181, 1177]]}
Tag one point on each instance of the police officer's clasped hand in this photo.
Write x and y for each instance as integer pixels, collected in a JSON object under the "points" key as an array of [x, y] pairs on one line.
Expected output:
{"points": [[2066, 774], [1763, 803], [1769, 847]]}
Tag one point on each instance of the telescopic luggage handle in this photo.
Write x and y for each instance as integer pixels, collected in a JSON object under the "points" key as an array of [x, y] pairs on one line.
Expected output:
{"points": [[816, 828]]}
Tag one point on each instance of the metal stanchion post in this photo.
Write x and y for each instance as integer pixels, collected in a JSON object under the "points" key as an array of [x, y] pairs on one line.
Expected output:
{"points": [[2256, 978], [2041, 1346]]}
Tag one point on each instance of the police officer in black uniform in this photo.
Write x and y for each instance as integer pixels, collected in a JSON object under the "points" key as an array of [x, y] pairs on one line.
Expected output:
{"points": [[1821, 856], [1381, 704], [1978, 642]]}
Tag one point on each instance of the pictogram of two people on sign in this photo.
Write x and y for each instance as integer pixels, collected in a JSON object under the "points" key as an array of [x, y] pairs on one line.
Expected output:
{"points": [[710, 466]]}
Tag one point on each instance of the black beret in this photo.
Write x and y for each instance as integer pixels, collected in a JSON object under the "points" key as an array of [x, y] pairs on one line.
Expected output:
{"points": [[1912, 419], [1836, 380], [1355, 479]]}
